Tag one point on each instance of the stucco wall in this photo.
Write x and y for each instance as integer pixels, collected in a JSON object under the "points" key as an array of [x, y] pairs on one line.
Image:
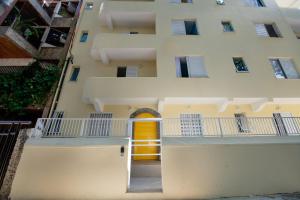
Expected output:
{"points": [[217, 47], [191, 168]]}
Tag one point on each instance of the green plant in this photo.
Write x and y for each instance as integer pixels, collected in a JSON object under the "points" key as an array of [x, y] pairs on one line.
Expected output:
{"points": [[25, 27], [28, 88]]}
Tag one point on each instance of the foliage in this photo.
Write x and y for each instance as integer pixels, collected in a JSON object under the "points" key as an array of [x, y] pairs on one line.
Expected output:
{"points": [[28, 88], [26, 27]]}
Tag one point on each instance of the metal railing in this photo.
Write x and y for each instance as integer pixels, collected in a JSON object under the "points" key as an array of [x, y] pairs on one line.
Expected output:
{"points": [[222, 127], [80, 127], [202, 127]]}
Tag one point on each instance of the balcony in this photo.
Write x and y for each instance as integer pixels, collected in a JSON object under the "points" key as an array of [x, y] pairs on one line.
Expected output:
{"points": [[43, 13], [206, 127], [127, 13], [14, 45], [107, 46]]}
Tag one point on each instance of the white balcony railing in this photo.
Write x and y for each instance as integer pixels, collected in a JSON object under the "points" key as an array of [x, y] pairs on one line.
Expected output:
{"points": [[204, 127]]}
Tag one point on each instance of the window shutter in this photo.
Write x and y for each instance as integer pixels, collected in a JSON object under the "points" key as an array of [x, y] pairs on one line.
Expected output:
{"points": [[178, 67], [289, 69], [289, 123], [100, 124], [191, 124], [242, 122], [196, 66], [261, 30], [132, 71], [175, 1], [178, 27], [252, 3]]}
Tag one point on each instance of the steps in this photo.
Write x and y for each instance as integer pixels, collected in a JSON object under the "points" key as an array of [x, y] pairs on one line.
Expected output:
{"points": [[146, 169], [145, 177], [145, 184]]}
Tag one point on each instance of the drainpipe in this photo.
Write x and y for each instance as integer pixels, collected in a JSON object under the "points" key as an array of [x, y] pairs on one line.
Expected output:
{"points": [[59, 86], [67, 61]]}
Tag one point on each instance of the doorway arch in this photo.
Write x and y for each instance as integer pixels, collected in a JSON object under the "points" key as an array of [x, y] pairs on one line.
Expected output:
{"points": [[145, 110], [146, 130]]}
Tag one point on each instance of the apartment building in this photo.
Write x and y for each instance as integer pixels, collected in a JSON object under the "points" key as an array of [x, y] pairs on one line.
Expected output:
{"points": [[31, 29], [171, 99]]}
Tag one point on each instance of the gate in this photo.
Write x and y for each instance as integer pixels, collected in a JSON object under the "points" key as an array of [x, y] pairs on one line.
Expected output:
{"points": [[9, 132]]}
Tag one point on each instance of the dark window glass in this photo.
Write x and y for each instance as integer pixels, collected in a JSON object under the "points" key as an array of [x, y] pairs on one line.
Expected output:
{"points": [[271, 30], [227, 27], [240, 65], [75, 74], [191, 28], [89, 6], [260, 3], [184, 68], [121, 72], [84, 37]]}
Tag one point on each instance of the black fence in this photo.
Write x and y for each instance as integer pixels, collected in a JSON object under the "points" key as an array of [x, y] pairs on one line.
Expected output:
{"points": [[9, 131]]}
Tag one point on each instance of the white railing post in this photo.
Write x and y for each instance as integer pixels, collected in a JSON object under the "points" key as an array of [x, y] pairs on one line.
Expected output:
{"points": [[220, 127], [129, 155], [82, 127]]}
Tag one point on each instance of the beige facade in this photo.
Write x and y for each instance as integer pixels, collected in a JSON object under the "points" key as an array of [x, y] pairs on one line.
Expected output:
{"points": [[222, 131], [153, 52]]}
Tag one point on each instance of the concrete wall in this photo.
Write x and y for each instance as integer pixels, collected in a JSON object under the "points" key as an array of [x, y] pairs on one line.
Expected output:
{"points": [[191, 168]]}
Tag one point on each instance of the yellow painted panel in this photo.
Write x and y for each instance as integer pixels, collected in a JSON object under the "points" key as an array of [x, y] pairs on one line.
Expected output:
{"points": [[145, 131]]}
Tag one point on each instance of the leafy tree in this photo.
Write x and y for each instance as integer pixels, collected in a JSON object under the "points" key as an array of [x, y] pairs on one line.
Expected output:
{"points": [[30, 87]]}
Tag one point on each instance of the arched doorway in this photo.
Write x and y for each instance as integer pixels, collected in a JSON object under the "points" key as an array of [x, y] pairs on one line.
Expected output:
{"points": [[145, 130]]}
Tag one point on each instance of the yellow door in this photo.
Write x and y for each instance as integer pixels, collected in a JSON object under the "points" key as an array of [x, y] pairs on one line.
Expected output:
{"points": [[145, 131]]}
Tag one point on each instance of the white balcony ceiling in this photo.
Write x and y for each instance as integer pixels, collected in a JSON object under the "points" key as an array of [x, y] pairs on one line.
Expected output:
{"points": [[145, 54], [288, 3], [134, 19]]}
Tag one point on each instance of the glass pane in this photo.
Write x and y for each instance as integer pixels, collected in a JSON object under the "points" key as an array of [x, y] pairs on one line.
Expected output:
{"points": [[277, 69], [240, 65], [84, 37]]}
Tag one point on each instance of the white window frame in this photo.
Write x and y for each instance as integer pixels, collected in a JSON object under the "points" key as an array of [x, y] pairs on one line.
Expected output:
{"points": [[195, 70], [287, 67], [178, 26]]}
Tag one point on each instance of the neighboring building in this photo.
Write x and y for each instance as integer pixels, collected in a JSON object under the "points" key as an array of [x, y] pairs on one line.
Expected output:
{"points": [[32, 29], [171, 99]]}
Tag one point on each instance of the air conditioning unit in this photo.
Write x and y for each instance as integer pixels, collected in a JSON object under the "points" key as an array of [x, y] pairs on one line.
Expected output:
{"points": [[220, 2]]}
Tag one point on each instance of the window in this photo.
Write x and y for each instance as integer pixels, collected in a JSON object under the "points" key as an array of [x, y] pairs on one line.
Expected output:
{"points": [[124, 71], [84, 36], [192, 66], [255, 3], [100, 124], [75, 73], [284, 68], [286, 124], [242, 122], [227, 26], [240, 65], [53, 126], [267, 30], [89, 6], [184, 27], [191, 124], [181, 1], [220, 2]]}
